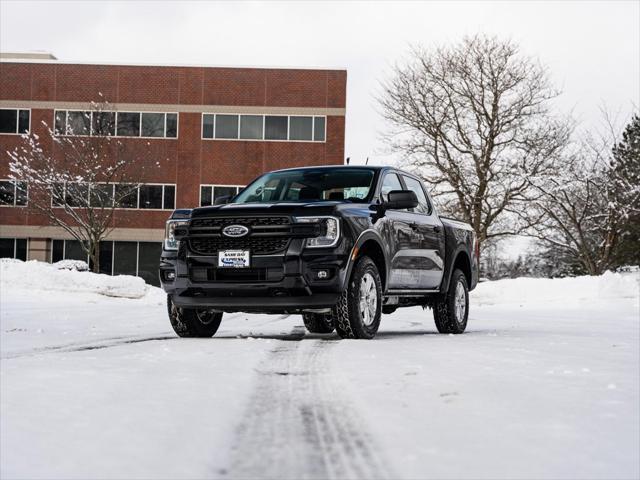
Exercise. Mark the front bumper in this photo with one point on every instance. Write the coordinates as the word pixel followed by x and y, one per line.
pixel 284 283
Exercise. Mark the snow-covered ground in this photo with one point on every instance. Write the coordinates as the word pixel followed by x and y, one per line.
pixel 544 384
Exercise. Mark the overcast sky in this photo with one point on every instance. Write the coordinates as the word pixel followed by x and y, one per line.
pixel 592 48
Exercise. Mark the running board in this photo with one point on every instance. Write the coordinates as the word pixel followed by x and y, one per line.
pixel 410 293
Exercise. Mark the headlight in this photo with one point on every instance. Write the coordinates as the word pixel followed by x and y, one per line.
pixel 170 242
pixel 329 231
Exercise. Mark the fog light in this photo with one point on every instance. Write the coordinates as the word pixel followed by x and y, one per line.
pixel 322 274
pixel 170 275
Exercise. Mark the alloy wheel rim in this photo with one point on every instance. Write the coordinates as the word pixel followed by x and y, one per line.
pixel 205 316
pixel 460 302
pixel 368 299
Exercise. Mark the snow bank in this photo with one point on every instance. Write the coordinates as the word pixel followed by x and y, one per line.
pixel 609 286
pixel 34 275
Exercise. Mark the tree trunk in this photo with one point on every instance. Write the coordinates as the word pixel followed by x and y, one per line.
pixel 94 255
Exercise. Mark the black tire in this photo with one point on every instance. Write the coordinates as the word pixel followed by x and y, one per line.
pixel 350 321
pixel 193 322
pixel 318 322
pixel 445 311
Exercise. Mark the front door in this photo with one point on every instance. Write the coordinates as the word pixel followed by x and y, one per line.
pixel 428 260
pixel 403 238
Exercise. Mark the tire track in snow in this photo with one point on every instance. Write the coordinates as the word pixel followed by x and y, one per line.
pixel 297 424
pixel 98 344
pixel 84 346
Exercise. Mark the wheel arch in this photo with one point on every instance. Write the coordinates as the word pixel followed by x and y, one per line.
pixel 370 244
pixel 461 262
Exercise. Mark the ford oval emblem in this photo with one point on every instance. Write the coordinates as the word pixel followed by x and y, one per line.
pixel 235 231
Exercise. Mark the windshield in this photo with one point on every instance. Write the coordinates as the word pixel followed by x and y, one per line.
pixel 308 185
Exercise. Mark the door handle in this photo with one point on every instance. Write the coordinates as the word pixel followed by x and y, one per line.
pixel 436 229
pixel 414 226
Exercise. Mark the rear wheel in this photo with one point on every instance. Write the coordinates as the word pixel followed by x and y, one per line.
pixel 318 322
pixel 357 313
pixel 452 312
pixel 193 322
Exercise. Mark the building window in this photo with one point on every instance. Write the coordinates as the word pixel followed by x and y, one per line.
pixel 263 127
pixel 210 193
pixel 79 123
pixel 148 196
pixel 207 125
pixel 226 126
pixel 153 124
pixel 128 124
pixel 103 123
pixel 251 127
pixel 13 248
pixel 14 121
pixel 275 128
pixel 12 193
pixel 122 124
pixel 301 128
pixel 319 129
pixel 148 263
pixel 126 196
pixel 169 197
pixel 76 195
pixel 101 195
pixel 171 125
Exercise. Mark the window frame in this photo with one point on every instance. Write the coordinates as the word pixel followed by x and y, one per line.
pixel 115 134
pixel 17 110
pixel 264 116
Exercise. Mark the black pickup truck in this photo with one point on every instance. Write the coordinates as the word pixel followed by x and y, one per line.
pixel 340 245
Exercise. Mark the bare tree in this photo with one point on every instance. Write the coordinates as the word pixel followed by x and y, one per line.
pixel 474 120
pixel 584 211
pixel 81 177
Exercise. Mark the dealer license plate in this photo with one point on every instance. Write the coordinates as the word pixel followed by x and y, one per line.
pixel 233 258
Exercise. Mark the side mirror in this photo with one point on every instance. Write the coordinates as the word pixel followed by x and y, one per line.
pixel 400 199
pixel 222 200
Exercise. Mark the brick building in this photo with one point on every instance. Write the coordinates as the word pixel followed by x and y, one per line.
pixel 212 130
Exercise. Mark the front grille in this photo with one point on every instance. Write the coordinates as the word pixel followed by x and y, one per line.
pixel 267 234
pixel 256 245
pixel 220 222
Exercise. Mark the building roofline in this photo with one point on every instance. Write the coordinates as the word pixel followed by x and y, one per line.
pixel 53 61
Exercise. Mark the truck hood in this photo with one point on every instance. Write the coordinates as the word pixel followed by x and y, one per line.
pixel 276 208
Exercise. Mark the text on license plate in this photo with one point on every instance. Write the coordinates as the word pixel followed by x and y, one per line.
pixel 233 258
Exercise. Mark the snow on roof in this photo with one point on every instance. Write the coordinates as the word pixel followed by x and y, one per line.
pixel 45 57
pixel 30 56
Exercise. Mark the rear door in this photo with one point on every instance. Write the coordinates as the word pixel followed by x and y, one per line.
pixel 427 260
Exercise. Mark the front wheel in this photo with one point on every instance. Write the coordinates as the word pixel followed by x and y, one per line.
pixel 451 313
pixel 193 322
pixel 357 313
